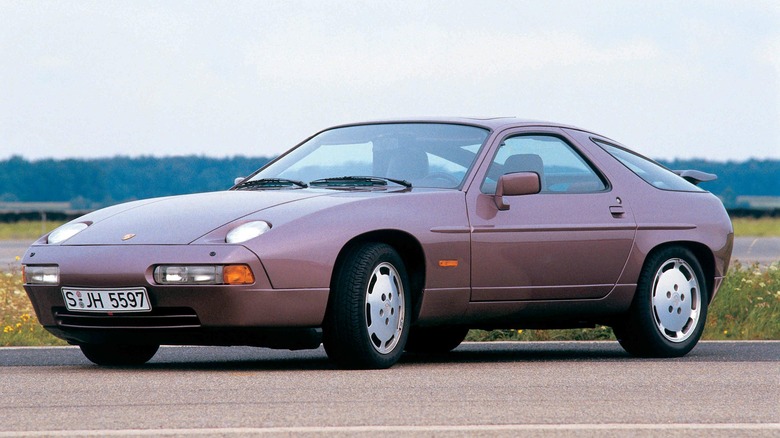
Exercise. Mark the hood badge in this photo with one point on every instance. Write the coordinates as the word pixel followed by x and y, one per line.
pixel 128 236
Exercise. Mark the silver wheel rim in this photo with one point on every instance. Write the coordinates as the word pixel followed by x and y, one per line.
pixel 676 300
pixel 384 308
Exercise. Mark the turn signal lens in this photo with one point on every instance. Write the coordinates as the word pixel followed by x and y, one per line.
pixel 237 274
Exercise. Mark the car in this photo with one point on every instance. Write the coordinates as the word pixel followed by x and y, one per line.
pixel 377 238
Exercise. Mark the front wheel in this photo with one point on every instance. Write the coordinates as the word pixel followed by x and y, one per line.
pixel 367 322
pixel 667 316
pixel 118 355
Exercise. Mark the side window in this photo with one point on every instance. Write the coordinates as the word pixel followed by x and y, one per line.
pixel 561 169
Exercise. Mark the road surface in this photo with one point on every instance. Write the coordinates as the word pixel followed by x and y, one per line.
pixel 721 389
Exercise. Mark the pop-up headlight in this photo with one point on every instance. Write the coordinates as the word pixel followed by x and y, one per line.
pixel 247 231
pixel 65 232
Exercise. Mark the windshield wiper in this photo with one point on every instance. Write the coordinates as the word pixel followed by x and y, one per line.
pixel 271 183
pixel 356 181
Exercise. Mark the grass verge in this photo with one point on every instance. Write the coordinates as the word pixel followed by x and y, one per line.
pixel 18 322
pixel 743 227
pixel 747 308
pixel 26 230
pixel 761 227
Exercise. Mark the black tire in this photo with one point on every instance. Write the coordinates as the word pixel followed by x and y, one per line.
pixel 367 321
pixel 669 310
pixel 119 355
pixel 435 340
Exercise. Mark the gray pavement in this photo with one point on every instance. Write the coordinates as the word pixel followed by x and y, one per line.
pixel 761 250
pixel 721 389
pixel 9 250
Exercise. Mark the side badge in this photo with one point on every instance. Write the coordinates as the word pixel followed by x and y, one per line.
pixel 128 236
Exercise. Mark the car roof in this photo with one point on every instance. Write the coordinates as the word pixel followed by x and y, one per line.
pixel 492 123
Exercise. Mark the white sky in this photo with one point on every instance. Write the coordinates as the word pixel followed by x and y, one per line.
pixel 671 79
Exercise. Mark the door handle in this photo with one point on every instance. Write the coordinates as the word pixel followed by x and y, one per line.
pixel 617 211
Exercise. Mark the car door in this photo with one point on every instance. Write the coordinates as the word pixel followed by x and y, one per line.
pixel 569 241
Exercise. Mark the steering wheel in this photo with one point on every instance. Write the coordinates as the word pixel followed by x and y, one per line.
pixel 448 180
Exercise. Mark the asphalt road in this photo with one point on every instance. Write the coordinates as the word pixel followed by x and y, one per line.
pixel 491 389
pixel 9 251
pixel 763 250
pixel 748 250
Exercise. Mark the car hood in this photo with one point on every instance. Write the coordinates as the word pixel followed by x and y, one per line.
pixel 177 220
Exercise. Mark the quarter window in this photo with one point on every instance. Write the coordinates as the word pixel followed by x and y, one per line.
pixel 561 169
pixel 650 171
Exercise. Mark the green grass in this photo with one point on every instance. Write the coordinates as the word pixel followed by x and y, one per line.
pixel 26 230
pixel 747 305
pixel 18 323
pixel 762 227
pixel 743 227
pixel 747 308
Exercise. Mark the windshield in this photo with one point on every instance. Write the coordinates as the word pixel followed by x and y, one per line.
pixel 422 154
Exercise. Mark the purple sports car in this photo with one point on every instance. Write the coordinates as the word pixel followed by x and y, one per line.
pixel 379 238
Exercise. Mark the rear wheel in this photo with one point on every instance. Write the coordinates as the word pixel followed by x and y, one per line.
pixel 366 325
pixel 435 340
pixel 667 316
pixel 119 355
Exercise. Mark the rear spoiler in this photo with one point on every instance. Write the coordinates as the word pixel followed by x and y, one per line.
pixel 696 176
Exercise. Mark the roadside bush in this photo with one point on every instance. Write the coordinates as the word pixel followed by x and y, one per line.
pixel 747 305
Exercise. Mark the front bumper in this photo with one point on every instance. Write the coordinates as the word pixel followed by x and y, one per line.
pixel 202 314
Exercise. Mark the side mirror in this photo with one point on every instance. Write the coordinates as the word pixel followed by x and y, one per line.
pixel 238 180
pixel 516 184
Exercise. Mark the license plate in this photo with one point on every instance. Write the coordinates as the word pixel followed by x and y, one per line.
pixel 107 300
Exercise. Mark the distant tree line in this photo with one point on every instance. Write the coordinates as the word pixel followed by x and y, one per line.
pixel 92 183
pixel 745 178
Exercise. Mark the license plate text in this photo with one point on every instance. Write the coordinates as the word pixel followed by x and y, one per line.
pixel 107 300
